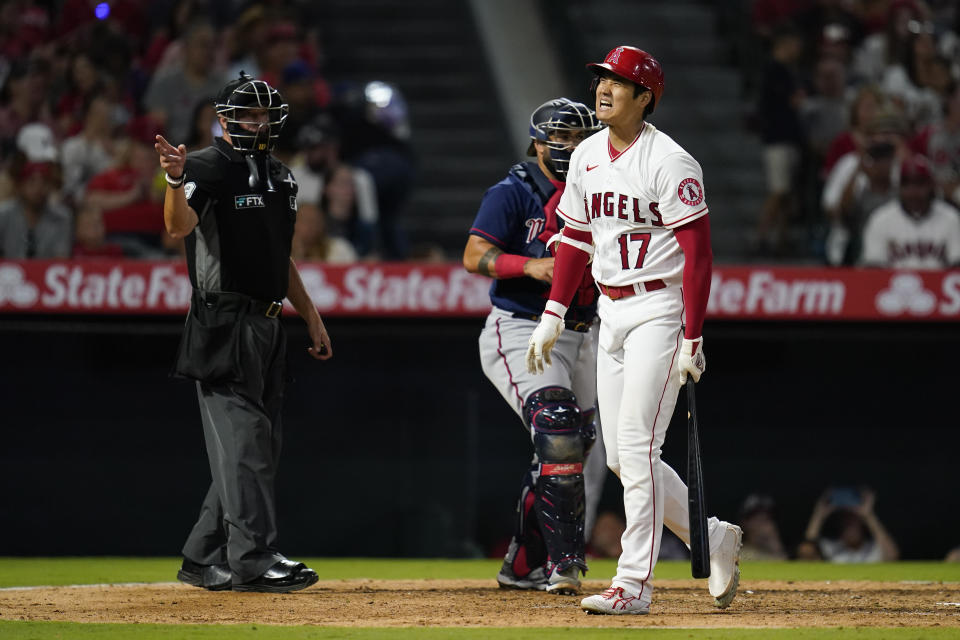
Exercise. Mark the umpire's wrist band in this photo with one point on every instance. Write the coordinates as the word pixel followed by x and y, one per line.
pixel 176 183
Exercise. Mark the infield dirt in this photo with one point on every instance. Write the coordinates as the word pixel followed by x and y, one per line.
pixel 384 603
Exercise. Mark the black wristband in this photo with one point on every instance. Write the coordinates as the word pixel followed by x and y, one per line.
pixel 176 183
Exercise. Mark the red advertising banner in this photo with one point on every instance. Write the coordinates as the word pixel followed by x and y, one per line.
pixel 446 290
pixel 146 287
pixel 804 293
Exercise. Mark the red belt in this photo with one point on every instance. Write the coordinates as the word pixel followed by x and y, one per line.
pixel 615 293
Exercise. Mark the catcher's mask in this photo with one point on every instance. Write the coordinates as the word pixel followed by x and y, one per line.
pixel 235 102
pixel 561 119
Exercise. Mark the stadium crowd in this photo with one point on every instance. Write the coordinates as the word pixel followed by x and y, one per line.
pixel 858 109
pixel 857 104
pixel 85 87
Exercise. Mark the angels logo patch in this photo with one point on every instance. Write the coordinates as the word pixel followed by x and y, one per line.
pixel 690 192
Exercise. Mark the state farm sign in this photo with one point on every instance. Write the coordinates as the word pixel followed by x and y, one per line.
pixel 842 294
pixel 125 286
pixel 764 293
pixel 396 289
pixel 446 290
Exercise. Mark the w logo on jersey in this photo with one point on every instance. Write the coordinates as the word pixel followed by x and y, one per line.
pixel 534 227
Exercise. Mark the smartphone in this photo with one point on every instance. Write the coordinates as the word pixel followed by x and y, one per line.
pixel 845 497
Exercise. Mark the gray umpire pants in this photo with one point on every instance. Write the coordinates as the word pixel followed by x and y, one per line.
pixel 242 430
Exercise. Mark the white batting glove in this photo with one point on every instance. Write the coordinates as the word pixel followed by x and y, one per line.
pixel 692 360
pixel 542 340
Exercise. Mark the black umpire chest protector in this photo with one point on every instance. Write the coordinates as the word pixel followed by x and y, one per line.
pixel 242 242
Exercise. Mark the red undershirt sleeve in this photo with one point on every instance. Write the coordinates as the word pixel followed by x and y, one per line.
pixel 694 239
pixel 568 268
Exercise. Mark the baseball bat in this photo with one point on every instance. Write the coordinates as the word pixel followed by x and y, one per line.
pixel 699 542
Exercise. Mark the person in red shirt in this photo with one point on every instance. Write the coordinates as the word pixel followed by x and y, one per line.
pixel 131 203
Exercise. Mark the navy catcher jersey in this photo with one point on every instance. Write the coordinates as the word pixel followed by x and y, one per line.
pixel 513 219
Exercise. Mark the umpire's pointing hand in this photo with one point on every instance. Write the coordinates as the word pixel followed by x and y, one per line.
pixel 542 340
pixel 172 158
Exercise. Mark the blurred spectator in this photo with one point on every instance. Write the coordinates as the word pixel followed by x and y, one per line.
pixel 175 92
pixel 244 39
pixel 761 535
pixel 835 45
pixel 820 18
pixel 32 223
pixel 169 20
pixel 125 16
pixel 112 41
pixel 844 529
pixel 352 210
pixel 781 131
pixel 920 79
pixel 311 241
pixel 168 44
pixel 281 48
pixel 24 26
pixel 306 94
pixel 940 142
pixel 825 112
pixel 84 84
pixel 90 236
pixel 37 143
pixel 866 103
pixel 130 199
pixel 605 539
pixel 89 152
pixel 376 138
pixel 204 126
pixel 768 15
pixel 916 231
pixel 880 50
pixel 861 181
pixel 953 555
pixel 24 100
pixel 341 203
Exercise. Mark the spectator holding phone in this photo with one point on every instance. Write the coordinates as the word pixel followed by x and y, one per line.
pixel 844 529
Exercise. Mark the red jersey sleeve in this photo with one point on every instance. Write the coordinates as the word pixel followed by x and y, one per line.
pixel 694 239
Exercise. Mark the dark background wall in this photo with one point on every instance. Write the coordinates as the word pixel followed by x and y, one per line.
pixel 398 446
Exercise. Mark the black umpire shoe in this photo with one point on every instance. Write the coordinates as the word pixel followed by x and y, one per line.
pixel 282 577
pixel 214 577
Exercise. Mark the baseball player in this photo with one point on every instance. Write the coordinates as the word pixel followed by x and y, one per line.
pixel 509 241
pixel 634 202
pixel 915 231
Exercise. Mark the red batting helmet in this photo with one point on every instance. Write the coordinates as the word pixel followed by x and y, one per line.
pixel 637 66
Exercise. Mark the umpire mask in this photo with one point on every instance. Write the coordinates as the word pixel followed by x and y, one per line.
pixel 243 103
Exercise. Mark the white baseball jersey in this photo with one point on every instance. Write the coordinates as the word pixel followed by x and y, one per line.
pixel 892 238
pixel 631 201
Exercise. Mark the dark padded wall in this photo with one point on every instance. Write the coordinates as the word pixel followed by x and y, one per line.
pixel 400 447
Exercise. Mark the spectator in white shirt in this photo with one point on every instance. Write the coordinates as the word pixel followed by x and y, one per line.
pixel 915 231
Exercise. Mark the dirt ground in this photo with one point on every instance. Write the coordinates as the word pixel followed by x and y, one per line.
pixel 385 603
